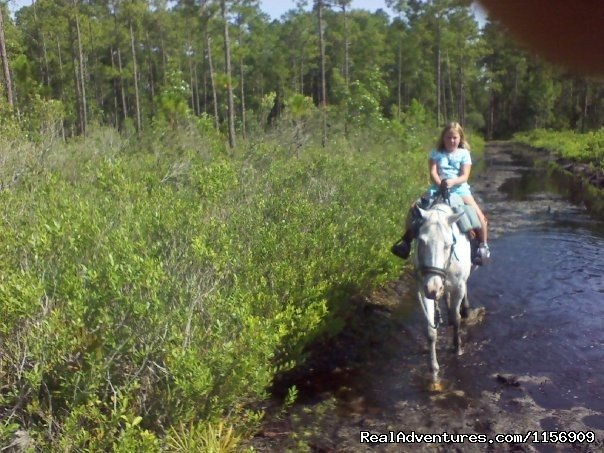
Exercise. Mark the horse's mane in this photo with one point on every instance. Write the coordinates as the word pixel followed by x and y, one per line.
pixel 435 216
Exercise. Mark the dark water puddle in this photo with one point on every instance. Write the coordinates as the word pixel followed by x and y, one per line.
pixel 544 288
pixel 536 359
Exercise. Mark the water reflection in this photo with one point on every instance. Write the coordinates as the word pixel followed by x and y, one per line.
pixel 543 295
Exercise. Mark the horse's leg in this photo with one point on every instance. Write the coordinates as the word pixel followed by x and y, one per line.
pixel 457 296
pixel 465 306
pixel 430 305
pixel 448 303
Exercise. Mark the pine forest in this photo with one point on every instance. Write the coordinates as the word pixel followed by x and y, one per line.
pixel 192 193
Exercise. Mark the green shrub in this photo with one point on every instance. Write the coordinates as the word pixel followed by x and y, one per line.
pixel 153 287
pixel 586 148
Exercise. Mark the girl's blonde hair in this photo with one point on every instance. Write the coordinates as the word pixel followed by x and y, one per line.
pixel 455 127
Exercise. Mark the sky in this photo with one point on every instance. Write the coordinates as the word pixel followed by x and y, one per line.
pixel 276 8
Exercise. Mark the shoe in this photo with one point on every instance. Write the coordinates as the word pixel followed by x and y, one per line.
pixel 402 249
pixel 483 254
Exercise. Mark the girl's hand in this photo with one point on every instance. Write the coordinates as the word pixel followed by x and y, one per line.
pixel 447 183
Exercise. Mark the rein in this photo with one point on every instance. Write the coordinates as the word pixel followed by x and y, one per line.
pixel 425 310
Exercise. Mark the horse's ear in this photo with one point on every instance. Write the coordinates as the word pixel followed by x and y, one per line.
pixel 455 217
pixel 422 212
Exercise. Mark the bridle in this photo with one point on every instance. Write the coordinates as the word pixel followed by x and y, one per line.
pixel 425 270
pixel 445 195
pixel 440 272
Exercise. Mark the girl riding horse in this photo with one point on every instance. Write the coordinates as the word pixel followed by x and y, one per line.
pixel 450 165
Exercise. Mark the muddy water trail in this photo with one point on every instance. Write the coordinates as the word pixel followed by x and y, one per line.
pixel 534 355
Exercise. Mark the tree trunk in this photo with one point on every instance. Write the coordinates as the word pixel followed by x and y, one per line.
pixel 191 80
pixel 399 78
pixel 150 66
pixel 438 80
pixel 323 102
pixel 80 59
pixel 197 107
pixel 227 61
pixel 346 48
pixel 243 117
pixel 44 51
pixel 135 77
pixel 122 87
pixel 5 66
pixel 241 80
pixel 76 80
pixel 443 92
pixel 451 92
pixel 62 75
pixel 462 96
pixel 438 72
pixel 205 92
pixel 78 92
pixel 164 59
pixel 205 84
pixel 346 62
pixel 212 82
pixel 97 88
pixel 115 92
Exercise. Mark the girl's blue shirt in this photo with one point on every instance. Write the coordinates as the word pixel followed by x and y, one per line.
pixel 449 166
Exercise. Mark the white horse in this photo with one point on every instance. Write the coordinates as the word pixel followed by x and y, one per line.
pixel 443 264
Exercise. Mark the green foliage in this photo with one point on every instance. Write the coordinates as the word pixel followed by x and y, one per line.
pixel 475 121
pixel 372 63
pixel 266 104
pixel 363 104
pixel 172 107
pixel 586 148
pixel 10 127
pixel 541 94
pixel 210 438
pixel 44 120
pixel 414 115
pixel 151 291
pixel 299 106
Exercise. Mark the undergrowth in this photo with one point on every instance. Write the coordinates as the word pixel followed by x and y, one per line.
pixel 151 289
pixel 585 148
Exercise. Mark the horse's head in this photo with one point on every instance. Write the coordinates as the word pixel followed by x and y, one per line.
pixel 434 248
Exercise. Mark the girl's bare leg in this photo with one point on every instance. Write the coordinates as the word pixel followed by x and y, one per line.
pixel 483 233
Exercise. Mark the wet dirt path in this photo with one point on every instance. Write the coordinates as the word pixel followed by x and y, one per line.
pixel 534 351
